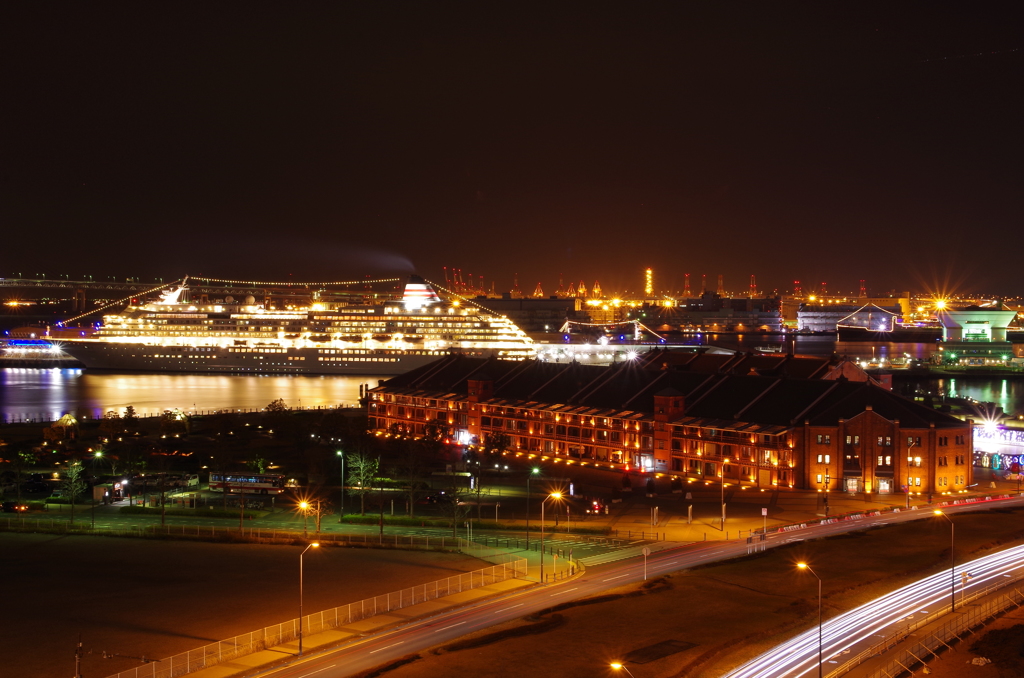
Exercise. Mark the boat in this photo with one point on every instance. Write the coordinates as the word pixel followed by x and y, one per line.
pixel 34 353
pixel 899 334
pixel 172 334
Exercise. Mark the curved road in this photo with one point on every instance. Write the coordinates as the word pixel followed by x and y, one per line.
pixel 381 648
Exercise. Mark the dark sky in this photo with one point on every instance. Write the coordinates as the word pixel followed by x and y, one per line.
pixel 819 141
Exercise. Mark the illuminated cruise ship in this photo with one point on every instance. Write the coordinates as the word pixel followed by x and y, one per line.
pixel 389 338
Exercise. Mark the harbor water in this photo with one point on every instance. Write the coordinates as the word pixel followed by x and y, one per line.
pixel 46 394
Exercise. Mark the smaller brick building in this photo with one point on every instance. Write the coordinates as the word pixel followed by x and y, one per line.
pixel 757 426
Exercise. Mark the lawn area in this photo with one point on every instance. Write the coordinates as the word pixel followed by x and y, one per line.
pixel 729 612
pixel 155 598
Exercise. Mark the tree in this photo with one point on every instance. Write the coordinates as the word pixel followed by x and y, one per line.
pixel 73 484
pixel 258 463
pixel 318 508
pixel 112 425
pixel 453 507
pixel 362 471
pixel 174 422
pixel 412 474
pixel 130 420
pixel 20 460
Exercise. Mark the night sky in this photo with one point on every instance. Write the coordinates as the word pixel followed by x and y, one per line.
pixel 828 141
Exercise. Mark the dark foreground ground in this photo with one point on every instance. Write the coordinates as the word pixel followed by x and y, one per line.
pixel 157 598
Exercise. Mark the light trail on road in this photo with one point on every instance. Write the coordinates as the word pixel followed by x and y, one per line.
pixel 362 654
pixel 844 634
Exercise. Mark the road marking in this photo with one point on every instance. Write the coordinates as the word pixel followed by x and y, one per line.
pixel 449 627
pixel 671 562
pixel 619 577
pixel 509 608
pixel 318 670
pixel 385 648
pixel 561 592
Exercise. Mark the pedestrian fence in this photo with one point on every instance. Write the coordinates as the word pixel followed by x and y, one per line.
pixel 968 619
pixel 874 514
pixel 258 535
pixel 286 632
pixel 50 417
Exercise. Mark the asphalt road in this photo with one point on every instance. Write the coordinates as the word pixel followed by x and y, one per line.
pixel 385 647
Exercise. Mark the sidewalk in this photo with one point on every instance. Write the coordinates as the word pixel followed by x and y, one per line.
pixel 313 643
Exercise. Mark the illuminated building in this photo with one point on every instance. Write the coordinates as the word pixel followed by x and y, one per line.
pixel 976 336
pixel 759 429
pixel 321 338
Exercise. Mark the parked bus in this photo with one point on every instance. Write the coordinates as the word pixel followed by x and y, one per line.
pixel 247 483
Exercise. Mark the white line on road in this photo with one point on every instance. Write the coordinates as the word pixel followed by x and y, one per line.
pixel 562 592
pixel 385 648
pixel 509 608
pixel 449 627
pixel 318 670
pixel 619 577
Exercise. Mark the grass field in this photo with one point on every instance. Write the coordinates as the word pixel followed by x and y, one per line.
pixel 157 597
pixel 729 612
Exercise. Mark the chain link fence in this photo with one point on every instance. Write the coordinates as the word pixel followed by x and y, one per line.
pixel 941 638
pixel 261 639
pixel 949 632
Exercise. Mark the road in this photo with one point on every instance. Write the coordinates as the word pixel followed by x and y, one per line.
pixel 849 634
pixel 417 635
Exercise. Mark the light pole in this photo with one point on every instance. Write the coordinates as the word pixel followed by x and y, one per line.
pixel 910 460
pixel 309 546
pixel 96 455
pixel 724 462
pixel 621 667
pixel 805 566
pixel 952 560
pixel 304 507
pixel 553 495
pixel 341 511
pixel 534 471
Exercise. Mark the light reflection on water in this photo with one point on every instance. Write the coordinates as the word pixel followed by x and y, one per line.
pixel 1007 393
pixel 47 394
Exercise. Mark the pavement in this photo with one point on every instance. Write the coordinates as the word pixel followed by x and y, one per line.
pixel 311 643
pixel 872 666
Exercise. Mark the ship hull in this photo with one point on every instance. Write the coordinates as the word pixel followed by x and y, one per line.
pixel 96 355
pixel 908 335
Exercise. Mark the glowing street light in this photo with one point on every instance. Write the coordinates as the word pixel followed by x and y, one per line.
pixel 556 496
pixel 952 560
pixel 621 667
pixel 724 462
pixel 304 507
pixel 310 546
pixel 805 566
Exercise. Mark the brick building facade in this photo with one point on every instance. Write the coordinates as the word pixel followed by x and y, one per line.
pixel 755 426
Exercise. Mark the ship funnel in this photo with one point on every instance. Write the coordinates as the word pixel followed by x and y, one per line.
pixel 418 293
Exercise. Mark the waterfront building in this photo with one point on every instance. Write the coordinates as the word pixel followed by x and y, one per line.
pixel 758 427
pixel 976 336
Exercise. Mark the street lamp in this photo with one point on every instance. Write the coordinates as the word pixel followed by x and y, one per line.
pixel 805 566
pixel 309 546
pixel 952 560
pixel 910 460
pixel 341 511
pixel 621 667
pixel 304 507
pixel 556 496
pixel 534 471
pixel 724 462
